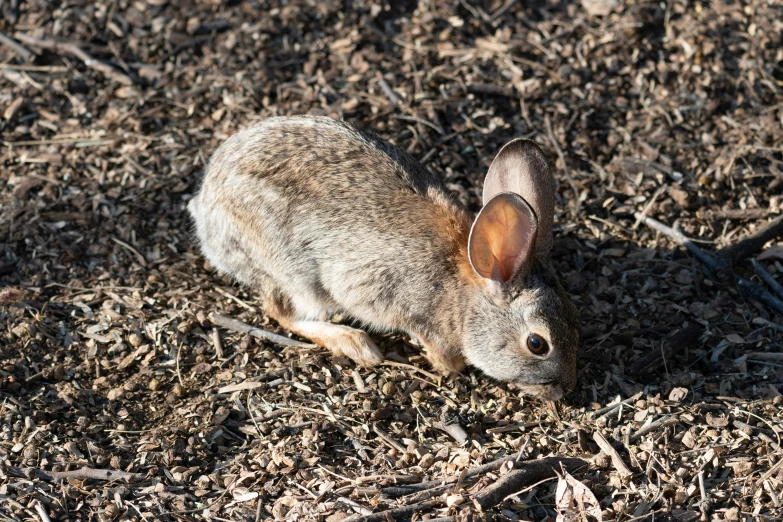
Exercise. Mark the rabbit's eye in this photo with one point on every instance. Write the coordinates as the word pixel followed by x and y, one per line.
pixel 537 344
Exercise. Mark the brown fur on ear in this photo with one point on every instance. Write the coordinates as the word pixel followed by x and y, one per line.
pixel 503 237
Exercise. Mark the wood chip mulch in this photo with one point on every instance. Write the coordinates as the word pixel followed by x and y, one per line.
pixel 120 399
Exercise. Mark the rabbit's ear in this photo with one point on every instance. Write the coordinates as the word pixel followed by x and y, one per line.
pixel 521 168
pixel 502 238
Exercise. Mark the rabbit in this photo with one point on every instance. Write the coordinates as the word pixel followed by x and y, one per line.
pixel 323 218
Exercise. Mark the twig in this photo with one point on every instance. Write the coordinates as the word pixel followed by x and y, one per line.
pixel 764 322
pixel 217 343
pixel 767 278
pixel 721 266
pixel 388 440
pixel 500 12
pixel 73 50
pixel 23 52
pixel 754 242
pixel 660 190
pixel 410 367
pixel 235 299
pixel 142 261
pixel 734 213
pixel 179 375
pixel 388 91
pixel 617 460
pixel 239 326
pixel 641 432
pixel 757 292
pixel 42 512
pixel 704 504
pixel 679 238
pixel 654 358
pixel 518 479
pixel 612 407
pixel 78 474
pixel 400 491
pixel 399 513
pixel 560 154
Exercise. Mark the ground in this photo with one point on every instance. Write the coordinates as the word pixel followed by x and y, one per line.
pixel 108 358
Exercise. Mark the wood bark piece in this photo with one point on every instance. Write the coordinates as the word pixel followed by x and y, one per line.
pixel 401 491
pixel 239 326
pixel 617 460
pixel 400 513
pixel 654 358
pixel 531 473
pixel 78 474
pixel 23 52
pixel 77 52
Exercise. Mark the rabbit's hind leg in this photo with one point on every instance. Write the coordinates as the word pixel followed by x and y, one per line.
pixel 340 340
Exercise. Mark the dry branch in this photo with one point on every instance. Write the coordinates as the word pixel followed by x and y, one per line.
pixel 239 326
pixel 654 358
pixel 23 52
pixel 518 479
pixel 77 52
pixel 78 474
pixel 754 242
pixel 399 491
pixel 721 266
pixel 612 407
pixel 400 513
pixel 641 432
pixel 767 278
pixel 528 474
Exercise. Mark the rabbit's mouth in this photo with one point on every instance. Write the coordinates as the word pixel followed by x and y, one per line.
pixel 546 390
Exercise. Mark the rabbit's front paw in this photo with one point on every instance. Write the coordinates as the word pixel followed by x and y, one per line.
pixel 340 340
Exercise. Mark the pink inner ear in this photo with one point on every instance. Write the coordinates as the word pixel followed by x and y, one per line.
pixel 502 238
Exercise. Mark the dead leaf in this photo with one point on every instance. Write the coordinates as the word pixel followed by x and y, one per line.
pixel 717 422
pixel 575 502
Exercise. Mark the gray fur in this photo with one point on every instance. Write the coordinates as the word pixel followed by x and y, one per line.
pixel 323 218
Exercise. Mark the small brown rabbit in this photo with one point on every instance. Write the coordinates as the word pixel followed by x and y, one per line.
pixel 323 218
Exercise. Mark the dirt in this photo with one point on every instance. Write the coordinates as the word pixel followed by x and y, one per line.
pixel 108 359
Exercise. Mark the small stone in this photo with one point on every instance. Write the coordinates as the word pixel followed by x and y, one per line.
pixel 23 330
pixel 179 391
pixel 135 340
pixel 115 394
pixel 389 388
pixel 154 385
pixel 427 461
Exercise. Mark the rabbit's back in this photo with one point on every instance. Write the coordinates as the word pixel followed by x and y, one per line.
pixel 338 218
